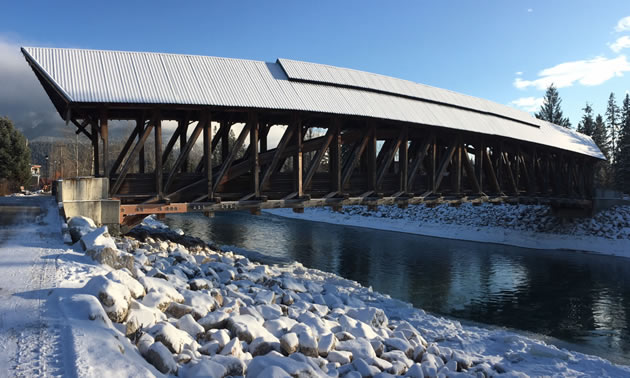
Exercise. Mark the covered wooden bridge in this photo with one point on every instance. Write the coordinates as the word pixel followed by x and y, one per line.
pixel 377 140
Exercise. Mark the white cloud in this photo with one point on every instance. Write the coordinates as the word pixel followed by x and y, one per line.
pixel 623 24
pixel 620 44
pixel 530 10
pixel 518 73
pixel 586 72
pixel 530 104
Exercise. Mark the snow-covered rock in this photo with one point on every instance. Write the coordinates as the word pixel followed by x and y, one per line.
pixel 79 226
pixel 215 319
pixel 85 306
pixel 160 357
pixel 135 288
pixel 205 368
pixel 141 316
pixel 174 339
pixel 187 323
pixel 114 296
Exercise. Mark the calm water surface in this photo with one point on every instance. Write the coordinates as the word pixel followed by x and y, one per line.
pixel 582 300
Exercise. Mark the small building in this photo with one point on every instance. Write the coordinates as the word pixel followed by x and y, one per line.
pixel 34 182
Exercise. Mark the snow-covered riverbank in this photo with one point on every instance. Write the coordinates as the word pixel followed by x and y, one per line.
pixel 528 226
pixel 158 306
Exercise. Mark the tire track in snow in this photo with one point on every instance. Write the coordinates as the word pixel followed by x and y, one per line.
pixel 40 344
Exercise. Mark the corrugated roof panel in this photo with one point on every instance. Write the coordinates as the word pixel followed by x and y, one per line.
pixel 128 77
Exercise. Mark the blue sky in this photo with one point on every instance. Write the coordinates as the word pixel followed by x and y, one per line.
pixel 505 51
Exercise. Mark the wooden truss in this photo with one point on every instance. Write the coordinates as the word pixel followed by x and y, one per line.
pixel 349 161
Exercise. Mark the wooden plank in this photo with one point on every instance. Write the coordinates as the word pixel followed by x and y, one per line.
pixel 334 160
pixel 479 153
pixel 158 156
pixel 508 166
pixel 182 139
pixel 96 157
pixel 264 134
pixel 403 159
pixel 297 160
pixel 135 152
pixel 470 171
pixel 388 158
pixel 171 143
pixel 444 164
pixel 490 173
pixel 254 158
pixel 230 157
pixel 141 160
pixel 371 158
pixel 456 180
pixel 353 159
pixel 278 154
pixel 207 152
pixel 125 149
pixel 225 140
pixel 81 127
pixel 432 166
pixel 420 154
pixel 183 155
pixel 105 137
pixel 317 159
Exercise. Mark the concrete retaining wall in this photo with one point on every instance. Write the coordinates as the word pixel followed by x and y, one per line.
pixel 88 197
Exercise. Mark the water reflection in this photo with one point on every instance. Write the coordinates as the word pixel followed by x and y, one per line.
pixel 579 298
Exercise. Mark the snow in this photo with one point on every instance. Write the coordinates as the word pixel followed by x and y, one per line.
pixel 528 226
pixel 56 306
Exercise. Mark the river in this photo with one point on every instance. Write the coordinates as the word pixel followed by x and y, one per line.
pixel 575 300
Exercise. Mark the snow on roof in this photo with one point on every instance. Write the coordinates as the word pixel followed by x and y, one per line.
pixel 96 76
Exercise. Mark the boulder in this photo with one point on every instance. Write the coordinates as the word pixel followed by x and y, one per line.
pixel 339 356
pixel 160 357
pixel 215 319
pixel 79 226
pixel 84 307
pixel 289 343
pixel 205 368
pixel 173 338
pixel 360 348
pixel 114 297
pixel 135 288
pixel 187 323
pixel 325 344
pixel 142 316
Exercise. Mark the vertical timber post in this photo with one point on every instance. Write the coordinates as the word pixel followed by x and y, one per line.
pixel 335 159
pixel 297 158
pixel 479 164
pixel 254 158
pixel 403 160
pixel 158 154
pixel 457 183
pixel 183 124
pixel 264 133
pixel 95 146
pixel 140 125
pixel 105 137
pixel 225 140
pixel 207 150
pixel 371 158
pixel 432 179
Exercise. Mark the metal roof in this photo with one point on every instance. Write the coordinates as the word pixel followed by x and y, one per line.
pixel 95 76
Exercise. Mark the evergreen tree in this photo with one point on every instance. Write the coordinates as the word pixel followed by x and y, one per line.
pixel 550 109
pixel 612 121
pixel 587 125
pixel 623 163
pixel 15 156
pixel 599 135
